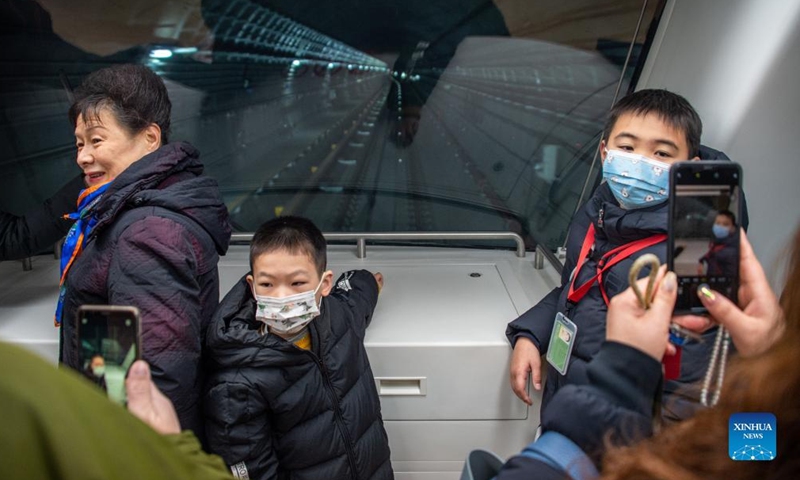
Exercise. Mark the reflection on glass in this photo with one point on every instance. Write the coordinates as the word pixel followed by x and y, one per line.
pixel 380 116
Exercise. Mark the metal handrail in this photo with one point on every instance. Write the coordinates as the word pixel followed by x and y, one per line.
pixel 541 252
pixel 362 237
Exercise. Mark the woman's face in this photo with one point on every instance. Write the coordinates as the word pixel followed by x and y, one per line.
pixel 106 149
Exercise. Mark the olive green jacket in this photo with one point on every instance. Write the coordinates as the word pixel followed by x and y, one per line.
pixel 56 425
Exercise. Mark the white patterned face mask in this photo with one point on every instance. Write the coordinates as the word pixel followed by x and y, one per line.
pixel 287 315
pixel 635 180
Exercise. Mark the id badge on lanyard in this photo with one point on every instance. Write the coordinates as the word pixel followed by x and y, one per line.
pixel 562 339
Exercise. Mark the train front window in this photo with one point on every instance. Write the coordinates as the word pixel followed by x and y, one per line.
pixel 414 115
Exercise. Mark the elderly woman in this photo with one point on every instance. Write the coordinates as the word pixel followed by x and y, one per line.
pixel 149 229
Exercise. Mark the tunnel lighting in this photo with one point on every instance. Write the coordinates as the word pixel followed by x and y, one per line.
pixel 296 63
pixel 185 50
pixel 161 53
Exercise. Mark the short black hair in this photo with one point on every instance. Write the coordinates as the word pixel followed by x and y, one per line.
pixel 729 214
pixel 670 107
pixel 293 234
pixel 135 95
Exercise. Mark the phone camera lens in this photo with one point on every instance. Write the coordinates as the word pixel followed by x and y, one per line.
pixel 127 322
pixel 716 174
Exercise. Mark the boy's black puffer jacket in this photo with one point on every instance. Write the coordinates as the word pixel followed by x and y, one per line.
pixel 275 411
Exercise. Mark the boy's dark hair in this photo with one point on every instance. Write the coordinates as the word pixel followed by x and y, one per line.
pixel 729 214
pixel 133 93
pixel 670 107
pixel 294 234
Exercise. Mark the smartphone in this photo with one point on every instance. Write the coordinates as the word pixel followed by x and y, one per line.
pixel 704 230
pixel 110 339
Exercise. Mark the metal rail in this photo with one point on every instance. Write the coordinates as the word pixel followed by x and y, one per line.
pixel 361 238
pixel 540 254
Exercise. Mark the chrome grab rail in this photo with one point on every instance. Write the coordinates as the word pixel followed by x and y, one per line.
pixel 540 254
pixel 361 238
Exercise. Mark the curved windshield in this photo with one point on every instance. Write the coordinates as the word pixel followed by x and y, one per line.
pixel 379 116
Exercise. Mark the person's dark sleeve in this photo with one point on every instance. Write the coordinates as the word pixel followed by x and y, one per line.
pixel 623 385
pixel 238 427
pixel 537 323
pixel 520 467
pixel 360 290
pixel 155 268
pixel 38 229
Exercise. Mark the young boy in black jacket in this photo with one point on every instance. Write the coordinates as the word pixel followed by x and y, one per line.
pixel 291 393
pixel 647 131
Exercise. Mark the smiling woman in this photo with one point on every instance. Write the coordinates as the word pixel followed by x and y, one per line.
pixel 122 115
pixel 148 230
pixel 106 149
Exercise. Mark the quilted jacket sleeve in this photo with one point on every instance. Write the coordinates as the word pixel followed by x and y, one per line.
pixel 360 291
pixel 29 234
pixel 155 268
pixel 238 427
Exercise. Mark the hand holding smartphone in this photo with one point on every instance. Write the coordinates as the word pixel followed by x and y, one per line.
pixel 704 230
pixel 110 339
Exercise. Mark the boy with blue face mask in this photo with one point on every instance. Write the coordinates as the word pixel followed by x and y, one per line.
pixel 290 391
pixel 721 256
pixel 646 133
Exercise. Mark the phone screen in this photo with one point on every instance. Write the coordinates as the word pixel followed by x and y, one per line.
pixel 109 344
pixel 705 214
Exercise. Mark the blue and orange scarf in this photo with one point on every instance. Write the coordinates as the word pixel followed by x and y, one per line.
pixel 78 233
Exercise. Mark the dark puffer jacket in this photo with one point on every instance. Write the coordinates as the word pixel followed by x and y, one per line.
pixel 614 226
pixel 274 410
pixel 721 258
pixel 161 226
pixel 615 404
pixel 29 234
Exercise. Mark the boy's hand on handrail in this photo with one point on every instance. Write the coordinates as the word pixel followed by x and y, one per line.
pixel 758 321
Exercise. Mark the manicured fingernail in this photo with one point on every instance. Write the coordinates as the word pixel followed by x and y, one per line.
pixel 705 291
pixel 670 283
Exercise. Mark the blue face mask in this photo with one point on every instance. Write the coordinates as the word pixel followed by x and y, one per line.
pixel 721 231
pixel 635 180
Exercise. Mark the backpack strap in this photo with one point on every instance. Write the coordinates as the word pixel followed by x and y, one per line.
pixel 559 451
